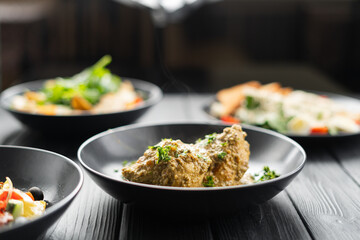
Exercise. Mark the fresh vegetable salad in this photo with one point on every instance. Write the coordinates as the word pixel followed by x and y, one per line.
pixel 16 204
pixel 94 90
pixel 284 110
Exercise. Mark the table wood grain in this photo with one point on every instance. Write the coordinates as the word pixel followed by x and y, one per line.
pixel 323 201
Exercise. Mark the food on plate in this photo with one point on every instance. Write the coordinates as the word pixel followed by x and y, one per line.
pixel 95 90
pixel 219 159
pixel 16 205
pixel 264 175
pixel 284 110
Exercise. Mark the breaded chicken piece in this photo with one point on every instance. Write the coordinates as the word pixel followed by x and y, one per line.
pixel 169 163
pixel 223 158
pixel 229 153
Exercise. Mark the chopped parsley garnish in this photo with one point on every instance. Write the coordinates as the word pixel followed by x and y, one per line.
pixel 164 139
pixel 209 182
pixel 116 170
pixel 202 157
pixel 224 144
pixel 163 154
pixel 126 163
pixel 251 103
pixel 210 138
pixel 184 153
pixel 266 174
pixel 221 155
pixel 153 147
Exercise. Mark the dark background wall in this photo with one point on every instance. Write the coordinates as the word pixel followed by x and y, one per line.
pixel 313 45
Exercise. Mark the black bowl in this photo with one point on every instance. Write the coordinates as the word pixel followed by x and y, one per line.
pixel 103 154
pixel 82 123
pixel 58 177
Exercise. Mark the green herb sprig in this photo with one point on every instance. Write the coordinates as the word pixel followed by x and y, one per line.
pixel 222 155
pixel 210 138
pixel 163 153
pixel 266 174
pixel 209 182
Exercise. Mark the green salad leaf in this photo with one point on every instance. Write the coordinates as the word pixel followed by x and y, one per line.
pixel 91 84
pixel 251 102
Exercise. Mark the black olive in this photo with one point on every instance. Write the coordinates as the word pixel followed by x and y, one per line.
pixel 37 193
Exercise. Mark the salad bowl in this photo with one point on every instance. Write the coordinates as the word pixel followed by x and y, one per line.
pixel 104 155
pixel 59 178
pixel 86 123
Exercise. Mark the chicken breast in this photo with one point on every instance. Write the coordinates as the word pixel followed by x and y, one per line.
pixel 229 153
pixel 217 160
pixel 169 163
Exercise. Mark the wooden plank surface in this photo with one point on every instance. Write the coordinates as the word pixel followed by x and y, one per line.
pixel 137 224
pixel 93 215
pixel 275 219
pixel 347 153
pixel 327 198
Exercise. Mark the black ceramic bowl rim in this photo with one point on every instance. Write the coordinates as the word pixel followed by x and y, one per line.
pixel 168 188
pixel 58 205
pixel 154 97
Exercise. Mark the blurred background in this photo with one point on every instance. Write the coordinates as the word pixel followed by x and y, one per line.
pixel 199 46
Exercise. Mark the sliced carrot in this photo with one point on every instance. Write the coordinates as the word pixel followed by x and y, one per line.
pixel 229 119
pixel 319 130
pixel 14 195
pixel 132 104
pixel 3 195
pixel 138 100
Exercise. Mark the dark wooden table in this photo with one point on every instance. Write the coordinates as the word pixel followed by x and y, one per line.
pixel 323 202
